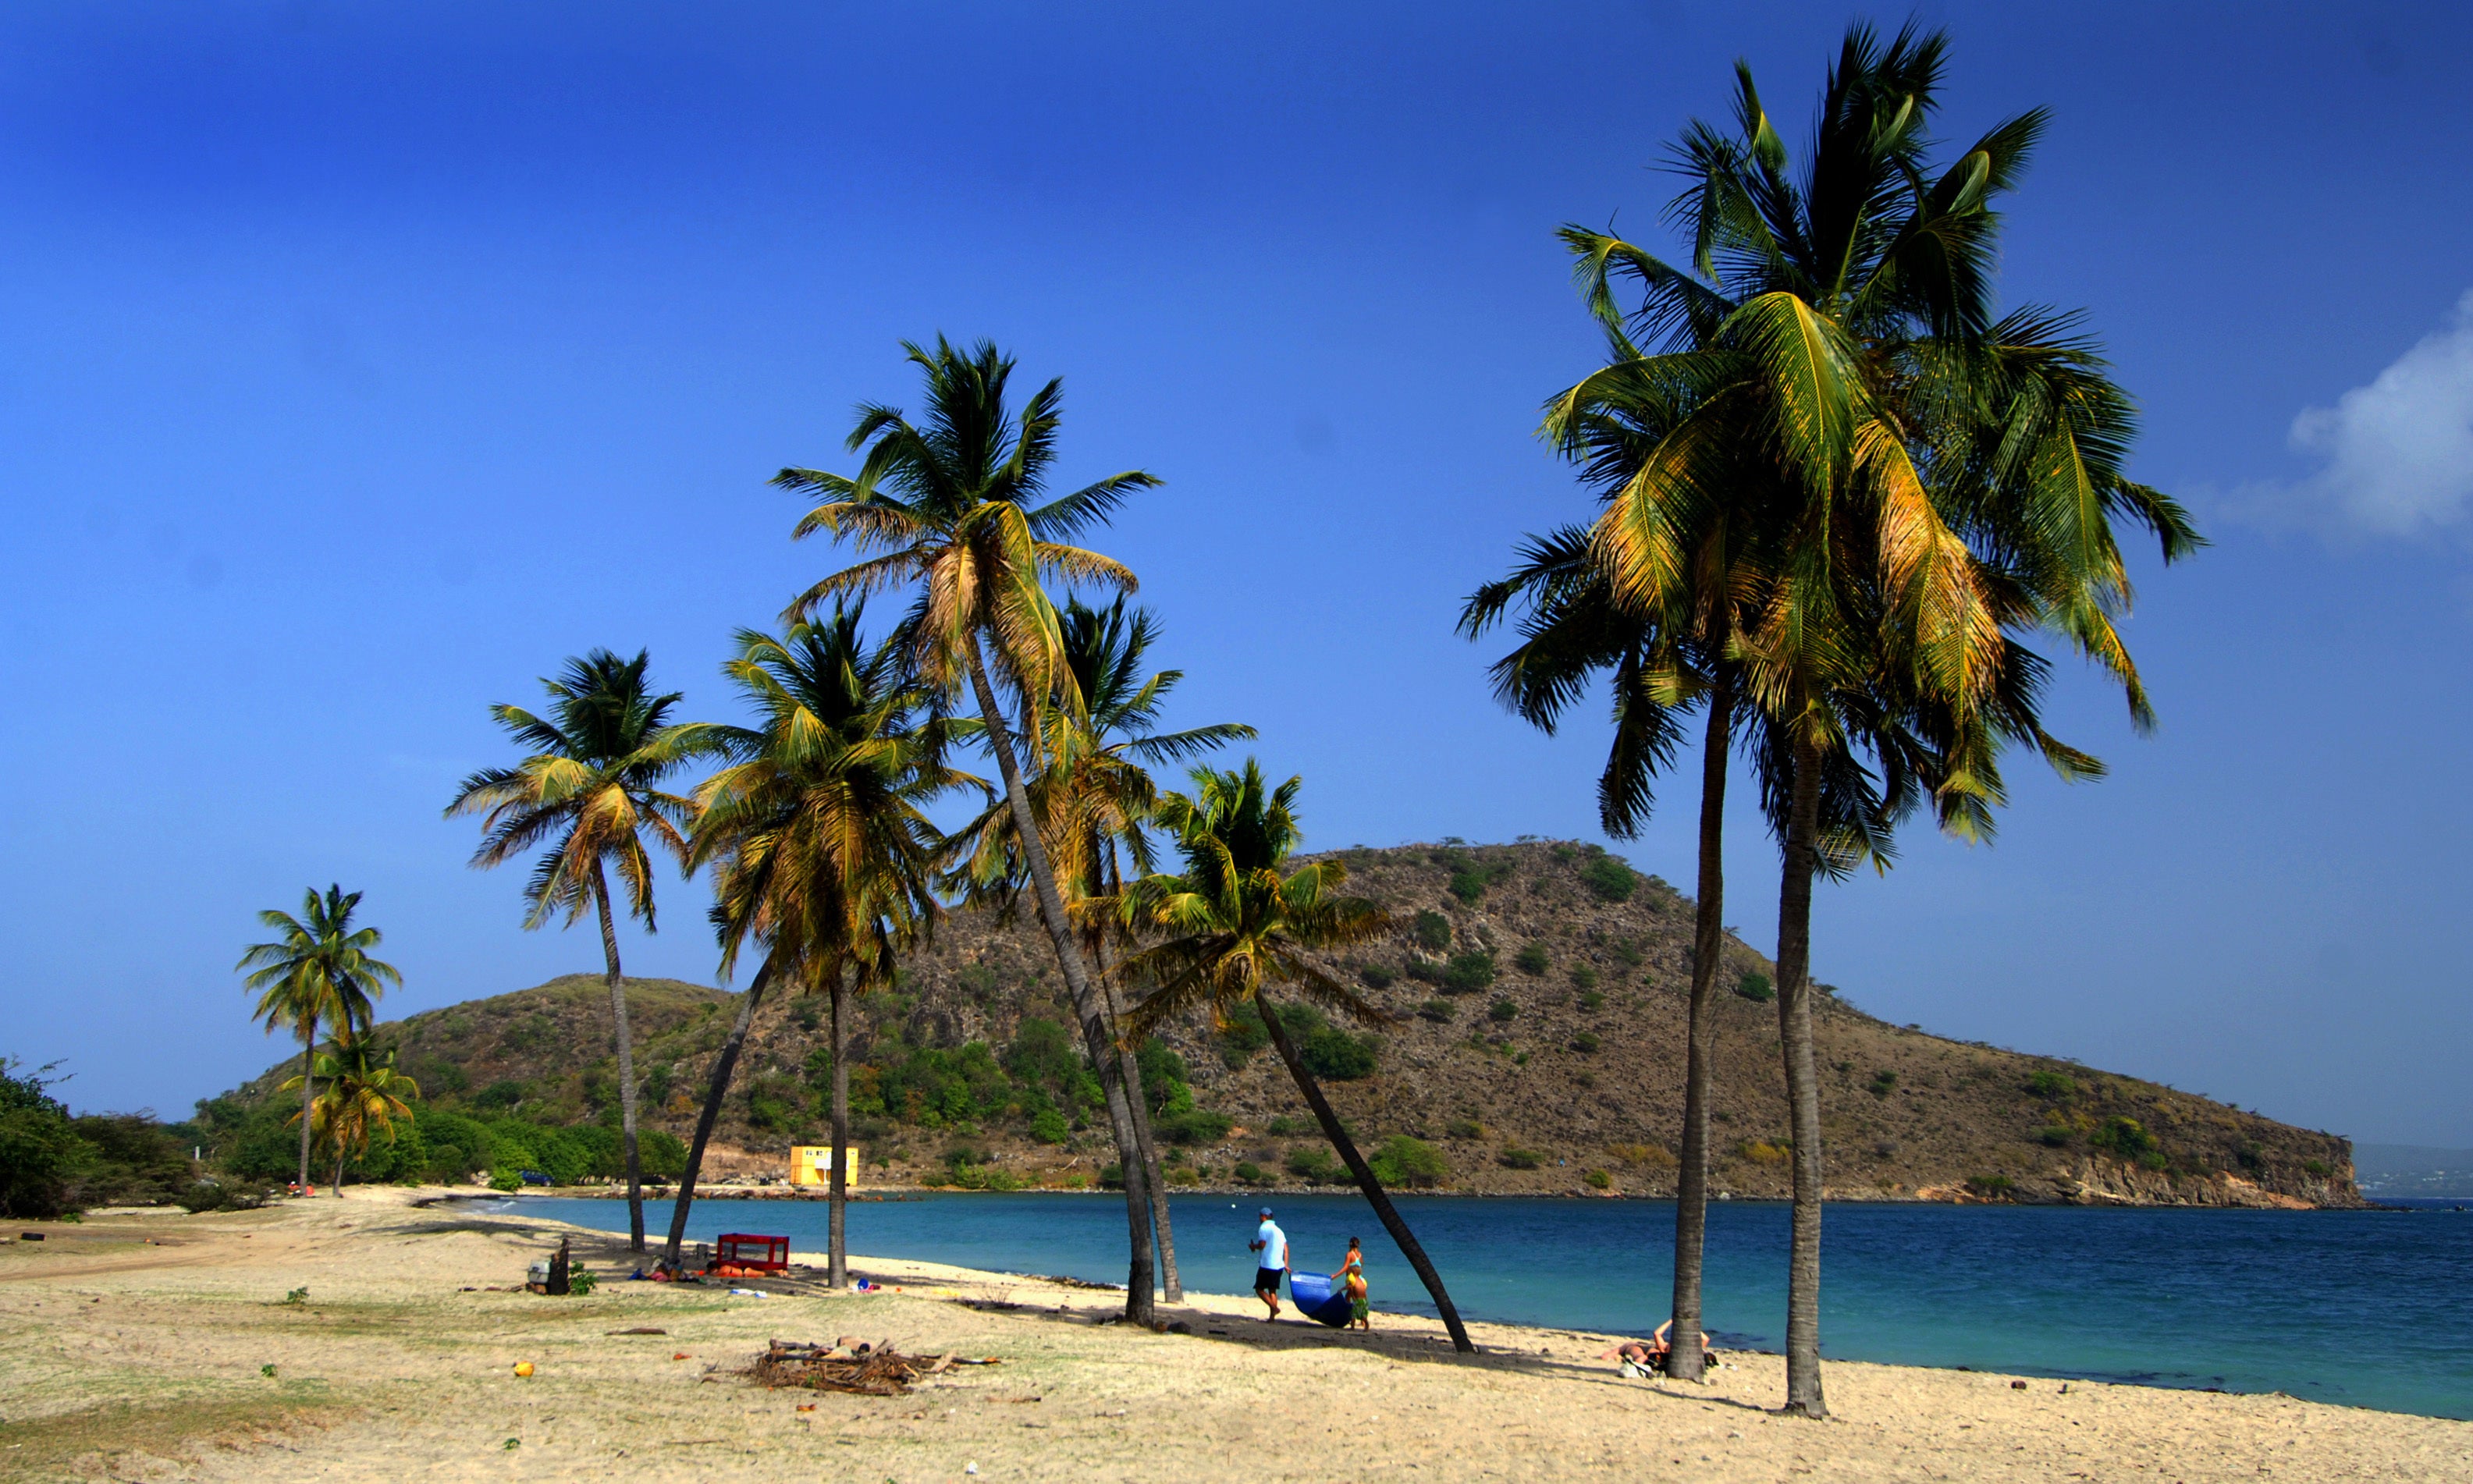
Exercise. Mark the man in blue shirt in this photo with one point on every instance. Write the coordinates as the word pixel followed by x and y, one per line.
pixel 1272 1246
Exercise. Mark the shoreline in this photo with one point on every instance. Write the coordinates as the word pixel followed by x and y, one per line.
pixel 901 1192
pixel 374 1335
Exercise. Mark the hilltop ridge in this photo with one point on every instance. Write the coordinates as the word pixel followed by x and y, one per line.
pixel 1541 993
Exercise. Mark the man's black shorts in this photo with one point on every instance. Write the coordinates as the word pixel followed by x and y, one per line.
pixel 1268 1280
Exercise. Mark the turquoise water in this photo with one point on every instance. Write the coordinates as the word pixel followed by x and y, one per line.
pixel 2365 1308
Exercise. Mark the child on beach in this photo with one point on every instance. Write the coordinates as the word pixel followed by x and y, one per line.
pixel 1351 1274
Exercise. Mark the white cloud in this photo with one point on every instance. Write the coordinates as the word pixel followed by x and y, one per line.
pixel 2399 451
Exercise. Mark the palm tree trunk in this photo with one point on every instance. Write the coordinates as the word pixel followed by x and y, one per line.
pixel 339 1172
pixel 1170 1286
pixel 1374 1194
pixel 1086 1005
pixel 308 1090
pixel 720 1089
pixel 626 1063
pixel 1686 1360
pixel 838 1179
pixel 1803 1397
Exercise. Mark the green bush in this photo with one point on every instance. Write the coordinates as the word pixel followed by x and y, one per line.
pixel 1242 1036
pixel 1609 879
pixel 1284 1126
pixel 2054 1135
pixel 1049 1127
pixel 1194 1126
pixel 1755 987
pixel 2124 1137
pixel 1408 1163
pixel 1464 1128
pixel 1377 976
pixel 1586 1041
pixel 40 1153
pixel 1592 1000
pixel 1585 979
pixel 1884 1083
pixel 506 1092
pixel 1532 959
pixel 2048 1084
pixel 2318 1167
pixel 1471 877
pixel 1248 1171
pixel 1312 1164
pixel 1992 1188
pixel 1503 1010
pixel 1599 1180
pixel 1513 1157
pixel 1335 1056
pixel 1439 1011
pixel 1432 931
pixel 1468 973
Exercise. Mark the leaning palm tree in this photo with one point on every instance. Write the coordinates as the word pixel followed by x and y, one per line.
pixel 821 847
pixel 318 972
pixel 1939 482
pixel 360 1096
pixel 956 507
pixel 1095 796
pixel 1233 926
pixel 591 790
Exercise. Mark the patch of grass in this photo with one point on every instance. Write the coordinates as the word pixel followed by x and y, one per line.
pixel 1532 959
pixel 1586 1042
pixel 1439 1011
pixel 1884 1083
pixel 1628 950
pixel 1763 1151
pixel 1515 1157
pixel 70 1444
pixel 1464 1128
pixel 1585 979
pixel 1592 1000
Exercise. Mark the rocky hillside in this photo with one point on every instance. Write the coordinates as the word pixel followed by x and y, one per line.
pixel 1540 991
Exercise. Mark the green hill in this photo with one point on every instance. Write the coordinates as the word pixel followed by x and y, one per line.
pixel 1541 990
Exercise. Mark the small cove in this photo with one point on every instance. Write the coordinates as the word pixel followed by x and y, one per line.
pixel 2360 1309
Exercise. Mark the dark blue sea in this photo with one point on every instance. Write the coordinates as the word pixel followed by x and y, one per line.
pixel 2363 1309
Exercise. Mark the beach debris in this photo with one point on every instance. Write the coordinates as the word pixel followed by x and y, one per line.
pixel 865 1369
pixel 523 1368
pixel 639 1330
pixel 2017 1386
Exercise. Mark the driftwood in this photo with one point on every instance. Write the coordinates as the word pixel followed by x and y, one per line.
pixel 861 1369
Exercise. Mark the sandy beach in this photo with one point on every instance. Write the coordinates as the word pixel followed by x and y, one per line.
pixel 139 1346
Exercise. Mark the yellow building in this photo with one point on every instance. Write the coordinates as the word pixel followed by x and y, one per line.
pixel 812 1164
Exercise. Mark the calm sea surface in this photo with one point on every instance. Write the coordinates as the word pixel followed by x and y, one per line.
pixel 2366 1308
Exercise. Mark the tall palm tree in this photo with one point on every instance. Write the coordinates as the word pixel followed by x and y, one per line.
pixel 1094 797
pixel 1941 481
pixel 590 789
pixel 361 1096
pixel 318 972
pixel 956 506
pixel 1235 926
pixel 822 847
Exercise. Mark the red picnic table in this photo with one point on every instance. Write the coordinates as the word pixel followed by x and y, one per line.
pixel 751 1251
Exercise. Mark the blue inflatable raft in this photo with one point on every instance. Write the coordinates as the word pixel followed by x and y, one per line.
pixel 1317 1300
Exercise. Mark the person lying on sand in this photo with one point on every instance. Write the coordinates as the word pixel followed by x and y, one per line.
pixel 1647 1357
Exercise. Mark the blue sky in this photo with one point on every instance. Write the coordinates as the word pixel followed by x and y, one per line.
pixel 360 366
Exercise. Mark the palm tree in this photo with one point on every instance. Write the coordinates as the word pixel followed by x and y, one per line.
pixel 822 848
pixel 1939 481
pixel 958 507
pixel 1094 797
pixel 589 789
pixel 362 1097
pixel 1236 926
pixel 318 972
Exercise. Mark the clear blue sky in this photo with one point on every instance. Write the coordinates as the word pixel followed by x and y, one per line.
pixel 361 365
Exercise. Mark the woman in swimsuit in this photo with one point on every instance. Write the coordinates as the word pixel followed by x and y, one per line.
pixel 1352 1275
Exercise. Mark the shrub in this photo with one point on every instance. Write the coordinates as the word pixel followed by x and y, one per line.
pixel 1629 951
pixel 40 1153
pixel 225 1195
pixel 505 1092
pixel 1468 973
pixel 1755 987
pixel 2052 1085
pixel 1192 1127
pixel 2124 1137
pixel 1585 979
pixel 1599 1180
pixel 1284 1126
pixel 1992 1188
pixel 2318 1167
pixel 1312 1164
pixel 1470 878
pixel 1112 1177
pixel 1532 959
pixel 2054 1135
pixel 506 1178
pixel 1409 1162
pixel 1643 1156
pixel 1515 1157
pixel 1501 1011
pixel 1884 1083
pixel 1432 931
pixel 1592 1000
pixel 1464 1128
pixel 1248 1171
pixel 1377 976
pixel 1335 1056
pixel 1586 1041
pixel 1048 1126
pixel 1609 879
pixel 1762 1152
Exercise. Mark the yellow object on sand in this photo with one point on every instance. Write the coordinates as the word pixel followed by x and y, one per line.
pixel 523 1368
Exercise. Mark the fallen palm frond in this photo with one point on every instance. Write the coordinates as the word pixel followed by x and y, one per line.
pixel 863 1370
